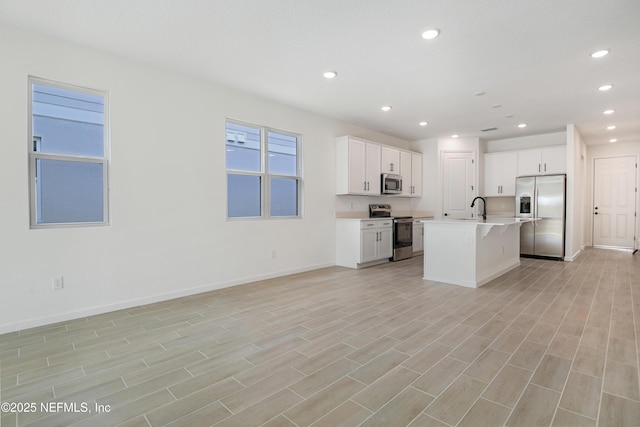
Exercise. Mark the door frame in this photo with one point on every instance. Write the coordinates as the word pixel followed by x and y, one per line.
pixel 474 172
pixel 593 201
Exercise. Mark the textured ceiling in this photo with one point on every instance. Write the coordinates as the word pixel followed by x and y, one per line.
pixel 530 58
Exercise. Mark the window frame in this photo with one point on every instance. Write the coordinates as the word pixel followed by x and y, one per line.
pixel 265 176
pixel 34 156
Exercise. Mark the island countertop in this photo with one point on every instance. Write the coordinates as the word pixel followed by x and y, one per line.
pixel 479 221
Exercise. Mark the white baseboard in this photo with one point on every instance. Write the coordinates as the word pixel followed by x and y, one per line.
pixel 101 309
pixel 574 256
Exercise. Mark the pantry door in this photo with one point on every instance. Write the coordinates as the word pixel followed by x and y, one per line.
pixel 458 184
pixel 614 202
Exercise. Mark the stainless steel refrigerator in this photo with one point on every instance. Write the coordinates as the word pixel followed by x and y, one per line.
pixel 542 198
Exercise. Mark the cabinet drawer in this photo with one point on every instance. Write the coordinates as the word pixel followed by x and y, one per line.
pixel 368 224
pixel 380 223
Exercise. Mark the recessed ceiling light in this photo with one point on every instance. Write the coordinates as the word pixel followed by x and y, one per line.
pixel 522 125
pixel 611 127
pixel 605 88
pixel 479 93
pixel 431 34
pixel 608 112
pixel 386 108
pixel 509 116
pixel 600 53
pixel 455 135
pixel 496 106
pixel 423 123
pixel 330 75
pixel 612 140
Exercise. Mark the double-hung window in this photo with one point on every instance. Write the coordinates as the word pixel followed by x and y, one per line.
pixel 68 146
pixel 263 172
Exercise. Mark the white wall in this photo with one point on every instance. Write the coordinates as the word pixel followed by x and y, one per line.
pixel 605 151
pixel 524 142
pixel 169 234
pixel 576 189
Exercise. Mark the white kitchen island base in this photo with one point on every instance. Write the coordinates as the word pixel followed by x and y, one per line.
pixel 470 252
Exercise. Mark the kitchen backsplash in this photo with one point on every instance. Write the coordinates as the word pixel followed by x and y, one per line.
pixel 361 203
pixel 501 206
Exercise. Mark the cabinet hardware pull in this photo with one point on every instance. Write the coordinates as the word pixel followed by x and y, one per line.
pixel 545 167
pixel 538 167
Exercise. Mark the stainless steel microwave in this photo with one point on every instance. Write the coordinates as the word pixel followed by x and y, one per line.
pixel 391 184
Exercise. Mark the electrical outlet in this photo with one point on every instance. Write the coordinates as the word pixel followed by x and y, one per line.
pixel 57 283
pixel 274 254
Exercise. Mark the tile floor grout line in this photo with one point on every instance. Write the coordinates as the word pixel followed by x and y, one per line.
pixel 517 401
pixel 524 292
pixel 606 354
pixel 576 350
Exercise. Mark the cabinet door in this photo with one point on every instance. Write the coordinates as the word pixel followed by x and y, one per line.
pixel 416 175
pixel 529 162
pixel 406 172
pixel 554 160
pixel 390 160
pixel 357 166
pixel 385 243
pixel 372 166
pixel 492 173
pixel 369 240
pixel 509 172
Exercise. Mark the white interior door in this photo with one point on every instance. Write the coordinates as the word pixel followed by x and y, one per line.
pixel 614 202
pixel 458 184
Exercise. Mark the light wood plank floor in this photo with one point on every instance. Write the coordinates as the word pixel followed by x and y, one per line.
pixel 549 343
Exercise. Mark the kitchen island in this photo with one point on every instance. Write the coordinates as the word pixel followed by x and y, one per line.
pixel 470 252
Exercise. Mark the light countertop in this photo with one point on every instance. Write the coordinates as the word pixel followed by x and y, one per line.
pixel 476 221
pixel 365 215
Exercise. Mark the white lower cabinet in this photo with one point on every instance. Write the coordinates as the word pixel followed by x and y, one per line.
pixel 359 242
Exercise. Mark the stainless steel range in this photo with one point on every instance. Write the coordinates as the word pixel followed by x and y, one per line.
pixel 402 231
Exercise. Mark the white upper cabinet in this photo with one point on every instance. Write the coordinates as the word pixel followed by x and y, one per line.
pixel 411 171
pixel 500 171
pixel 416 174
pixel 542 161
pixel 360 163
pixel 554 160
pixel 357 166
pixel 390 160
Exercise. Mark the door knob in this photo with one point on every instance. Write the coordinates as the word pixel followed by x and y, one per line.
pixel 446 214
pixel 596 213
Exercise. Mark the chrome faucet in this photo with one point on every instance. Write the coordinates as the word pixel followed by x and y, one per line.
pixel 484 206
